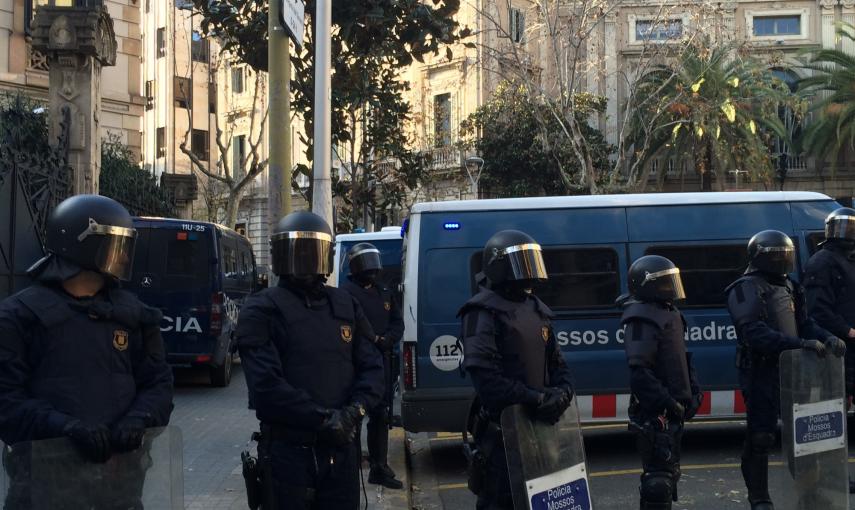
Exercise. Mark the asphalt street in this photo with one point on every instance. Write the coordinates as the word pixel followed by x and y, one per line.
pixel 711 477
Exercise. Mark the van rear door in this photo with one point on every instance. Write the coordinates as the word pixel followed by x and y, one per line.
pixel 174 271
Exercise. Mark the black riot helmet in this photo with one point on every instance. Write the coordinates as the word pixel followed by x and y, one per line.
pixel 655 278
pixel 301 245
pixel 93 232
pixel 773 252
pixel 511 255
pixel 840 225
pixel 364 257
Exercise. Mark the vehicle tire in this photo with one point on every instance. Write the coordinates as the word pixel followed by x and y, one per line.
pixel 221 376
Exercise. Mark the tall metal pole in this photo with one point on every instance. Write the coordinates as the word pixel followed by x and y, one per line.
pixel 322 192
pixel 279 122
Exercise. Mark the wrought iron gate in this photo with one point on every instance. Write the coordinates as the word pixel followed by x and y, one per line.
pixel 32 183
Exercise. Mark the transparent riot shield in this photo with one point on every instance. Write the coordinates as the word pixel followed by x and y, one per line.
pixel 813 432
pixel 546 462
pixel 51 475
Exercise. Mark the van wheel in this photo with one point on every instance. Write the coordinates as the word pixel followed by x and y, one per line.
pixel 221 376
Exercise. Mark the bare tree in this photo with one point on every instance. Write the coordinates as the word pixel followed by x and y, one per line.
pixel 227 185
pixel 555 57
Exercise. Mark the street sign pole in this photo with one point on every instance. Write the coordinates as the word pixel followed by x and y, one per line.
pixel 322 190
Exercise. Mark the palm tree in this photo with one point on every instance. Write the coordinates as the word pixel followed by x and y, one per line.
pixel 714 107
pixel 833 81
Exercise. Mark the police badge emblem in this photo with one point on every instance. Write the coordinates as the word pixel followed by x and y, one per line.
pixel 346 333
pixel 544 332
pixel 387 306
pixel 120 340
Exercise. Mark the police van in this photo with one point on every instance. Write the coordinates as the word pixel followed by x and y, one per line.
pixel 388 240
pixel 589 243
pixel 197 274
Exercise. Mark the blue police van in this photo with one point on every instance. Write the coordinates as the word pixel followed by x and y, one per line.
pixel 589 243
pixel 197 274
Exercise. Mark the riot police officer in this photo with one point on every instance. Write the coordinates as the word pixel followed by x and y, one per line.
pixel 511 353
pixel 769 312
pixel 312 370
pixel 79 356
pixel 665 391
pixel 830 287
pixel 384 314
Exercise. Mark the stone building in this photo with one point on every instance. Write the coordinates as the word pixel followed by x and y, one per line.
pixel 23 69
pixel 443 91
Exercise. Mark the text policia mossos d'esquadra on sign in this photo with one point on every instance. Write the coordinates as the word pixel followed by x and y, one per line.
pixel 712 332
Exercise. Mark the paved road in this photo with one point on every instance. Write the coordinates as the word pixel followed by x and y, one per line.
pixel 711 478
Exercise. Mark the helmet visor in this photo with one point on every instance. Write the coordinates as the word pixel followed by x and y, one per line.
pixel 301 253
pixel 367 259
pixel 840 227
pixel 776 259
pixel 666 284
pixel 115 253
pixel 526 262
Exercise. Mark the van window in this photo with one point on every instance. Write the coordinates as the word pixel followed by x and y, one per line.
pixel 187 256
pixel 813 240
pixel 706 270
pixel 229 260
pixel 579 278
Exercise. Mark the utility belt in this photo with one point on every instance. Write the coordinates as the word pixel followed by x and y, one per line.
pixel 289 435
pixel 747 359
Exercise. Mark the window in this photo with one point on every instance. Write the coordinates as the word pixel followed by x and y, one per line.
pixel 161 42
pixel 161 142
pixel 199 48
pixel 517 24
pixel 769 26
pixel 579 278
pixel 237 80
pixel 150 92
pixel 229 266
pixel 706 270
pixel 199 144
pixel 183 92
pixel 442 120
pixel 238 155
pixel 786 158
pixel 658 30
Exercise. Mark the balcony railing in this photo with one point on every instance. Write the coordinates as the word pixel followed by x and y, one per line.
pixel 444 158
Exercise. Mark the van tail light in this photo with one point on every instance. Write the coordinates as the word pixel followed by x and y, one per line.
pixel 217 313
pixel 409 365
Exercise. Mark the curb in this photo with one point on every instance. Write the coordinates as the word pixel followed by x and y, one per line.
pixel 381 498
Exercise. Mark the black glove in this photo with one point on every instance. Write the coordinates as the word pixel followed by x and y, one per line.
pixel 815 346
pixel 93 441
pixel 675 410
pixel 692 410
pixel 340 426
pixel 127 434
pixel 836 346
pixel 553 404
pixel 383 343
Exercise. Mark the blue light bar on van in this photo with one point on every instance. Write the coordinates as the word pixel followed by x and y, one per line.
pixel 451 225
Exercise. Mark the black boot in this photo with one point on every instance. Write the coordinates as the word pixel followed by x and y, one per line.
pixel 755 471
pixel 383 475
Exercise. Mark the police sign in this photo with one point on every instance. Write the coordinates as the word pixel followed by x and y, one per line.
pixel 818 427
pixel 563 490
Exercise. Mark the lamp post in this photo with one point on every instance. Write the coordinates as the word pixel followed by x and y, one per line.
pixel 736 174
pixel 474 166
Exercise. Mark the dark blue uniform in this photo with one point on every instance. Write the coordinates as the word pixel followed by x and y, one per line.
pixel 301 355
pixel 97 360
pixel 830 291
pixel 511 354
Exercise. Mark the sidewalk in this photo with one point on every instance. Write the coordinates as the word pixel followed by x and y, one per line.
pixel 380 498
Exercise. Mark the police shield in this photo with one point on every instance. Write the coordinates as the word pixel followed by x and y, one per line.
pixel 546 462
pixel 51 475
pixel 813 431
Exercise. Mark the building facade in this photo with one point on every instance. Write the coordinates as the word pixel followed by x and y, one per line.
pixel 25 70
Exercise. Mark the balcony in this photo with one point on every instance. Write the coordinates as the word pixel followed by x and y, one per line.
pixel 444 158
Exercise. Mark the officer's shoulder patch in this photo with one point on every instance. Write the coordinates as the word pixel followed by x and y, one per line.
pixel 346 333
pixel 387 306
pixel 120 340
pixel 544 332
